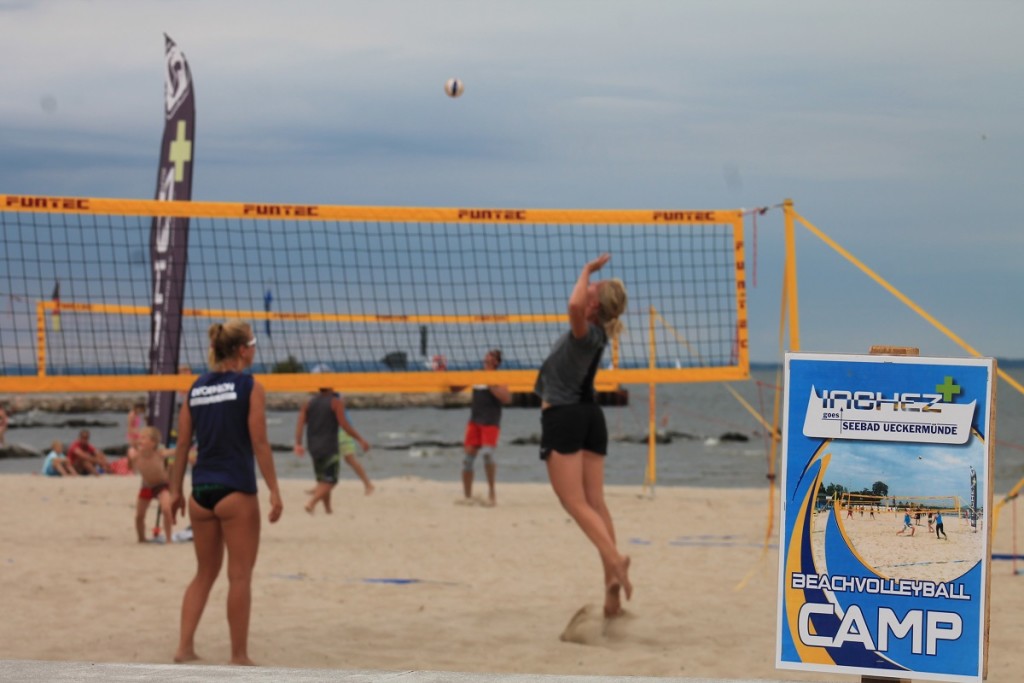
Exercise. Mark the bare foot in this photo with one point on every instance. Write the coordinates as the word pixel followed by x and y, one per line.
pixel 368 489
pixel 621 578
pixel 327 508
pixel 308 508
pixel 182 657
pixel 242 661
pixel 612 601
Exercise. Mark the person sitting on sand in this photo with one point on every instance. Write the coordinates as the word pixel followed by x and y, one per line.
pixel 55 464
pixel 86 458
pixel 148 460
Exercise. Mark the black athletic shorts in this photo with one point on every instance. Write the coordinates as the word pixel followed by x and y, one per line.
pixel 326 468
pixel 571 428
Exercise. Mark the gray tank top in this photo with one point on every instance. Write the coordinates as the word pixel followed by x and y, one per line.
pixel 321 426
pixel 486 408
pixel 567 376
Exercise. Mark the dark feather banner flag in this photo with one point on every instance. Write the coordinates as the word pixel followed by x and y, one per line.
pixel 168 240
pixel 268 297
pixel 55 319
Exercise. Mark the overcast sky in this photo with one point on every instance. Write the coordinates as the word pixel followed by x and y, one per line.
pixel 938 470
pixel 895 127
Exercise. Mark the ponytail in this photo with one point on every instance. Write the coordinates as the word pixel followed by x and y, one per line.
pixel 225 340
pixel 612 299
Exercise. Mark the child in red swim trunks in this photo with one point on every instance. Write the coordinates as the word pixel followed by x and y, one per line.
pixel 148 458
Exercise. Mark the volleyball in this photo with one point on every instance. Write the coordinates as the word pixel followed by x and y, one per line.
pixel 454 87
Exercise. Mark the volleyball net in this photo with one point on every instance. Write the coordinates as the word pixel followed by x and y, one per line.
pixel 375 298
pixel 900 504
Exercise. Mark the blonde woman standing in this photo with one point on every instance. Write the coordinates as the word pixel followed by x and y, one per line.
pixel 226 409
pixel 574 436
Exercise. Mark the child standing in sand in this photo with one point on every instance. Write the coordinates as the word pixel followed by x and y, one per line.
pixel 148 459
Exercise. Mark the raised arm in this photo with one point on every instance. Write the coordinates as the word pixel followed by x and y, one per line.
pixel 501 392
pixel 579 300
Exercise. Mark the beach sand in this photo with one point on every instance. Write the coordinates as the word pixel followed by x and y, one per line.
pixel 921 555
pixel 408 579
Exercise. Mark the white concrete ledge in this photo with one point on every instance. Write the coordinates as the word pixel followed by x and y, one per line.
pixel 27 670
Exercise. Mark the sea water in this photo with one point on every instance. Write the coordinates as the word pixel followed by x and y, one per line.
pixel 715 440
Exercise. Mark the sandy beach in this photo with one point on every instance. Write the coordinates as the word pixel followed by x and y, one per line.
pixel 881 543
pixel 409 579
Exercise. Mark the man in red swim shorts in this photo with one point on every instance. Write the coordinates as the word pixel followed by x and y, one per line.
pixel 484 427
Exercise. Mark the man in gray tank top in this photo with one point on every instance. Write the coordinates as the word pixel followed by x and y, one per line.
pixel 483 428
pixel 321 416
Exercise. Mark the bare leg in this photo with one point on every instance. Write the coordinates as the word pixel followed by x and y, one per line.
pixel 572 476
pixel 491 469
pixel 593 490
pixel 84 466
pixel 141 507
pixel 321 491
pixel 357 467
pixel 467 475
pixel 239 516
pixel 208 541
pixel 164 499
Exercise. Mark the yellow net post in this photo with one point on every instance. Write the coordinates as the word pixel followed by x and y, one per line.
pixel 789 278
pixel 41 339
pixel 1014 531
pixel 652 463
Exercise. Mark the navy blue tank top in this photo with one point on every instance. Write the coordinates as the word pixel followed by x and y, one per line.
pixel 219 404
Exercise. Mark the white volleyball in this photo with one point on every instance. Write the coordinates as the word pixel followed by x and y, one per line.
pixel 454 87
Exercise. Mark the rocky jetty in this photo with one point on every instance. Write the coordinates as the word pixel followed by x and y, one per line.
pixel 14 450
pixel 114 403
